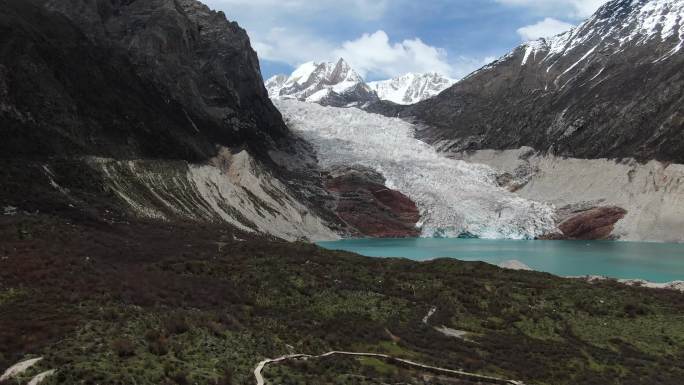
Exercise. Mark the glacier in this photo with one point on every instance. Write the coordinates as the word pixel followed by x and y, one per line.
pixel 454 197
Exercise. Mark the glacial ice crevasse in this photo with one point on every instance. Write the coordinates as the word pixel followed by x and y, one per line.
pixel 454 197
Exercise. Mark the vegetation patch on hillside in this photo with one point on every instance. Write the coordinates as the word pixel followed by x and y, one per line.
pixel 162 303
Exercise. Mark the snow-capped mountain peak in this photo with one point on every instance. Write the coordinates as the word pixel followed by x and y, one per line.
pixel 274 84
pixel 412 87
pixel 338 84
pixel 304 73
pixel 609 88
pixel 616 25
pixel 331 83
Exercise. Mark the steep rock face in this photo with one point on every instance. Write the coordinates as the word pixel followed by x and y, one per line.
pixel 612 87
pixel 152 78
pixel 330 84
pixel 234 189
pixel 411 88
pixel 594 223
pixel 365 203
pixel 154 109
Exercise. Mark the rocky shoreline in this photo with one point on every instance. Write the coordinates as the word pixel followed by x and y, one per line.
pixel 674 285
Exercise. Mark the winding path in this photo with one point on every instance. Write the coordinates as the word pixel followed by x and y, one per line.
pixel 457 373
pixel 19 368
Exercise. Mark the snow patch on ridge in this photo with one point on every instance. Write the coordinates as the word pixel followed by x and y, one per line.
pixel 454 197
pixel 615 25
pixel 586 55
pixel 531 49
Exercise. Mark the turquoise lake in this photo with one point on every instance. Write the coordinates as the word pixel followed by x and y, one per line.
pixel 655 262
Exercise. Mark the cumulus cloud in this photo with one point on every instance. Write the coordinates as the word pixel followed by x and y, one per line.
pixel 464 65
pixel 372 54
pixel 554 12
pixel 290 46
pixel 292 32
pixel 369 54
pixel 562 8
pixel 375 54
pixel 545 28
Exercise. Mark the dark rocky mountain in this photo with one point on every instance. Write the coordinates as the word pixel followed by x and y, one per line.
pixel 612 87
pixel 150 109
pixel 145 78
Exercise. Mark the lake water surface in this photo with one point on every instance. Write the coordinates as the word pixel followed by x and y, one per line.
pixel 655 262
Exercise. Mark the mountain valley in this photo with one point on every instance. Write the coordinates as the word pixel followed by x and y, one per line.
pixel 160 204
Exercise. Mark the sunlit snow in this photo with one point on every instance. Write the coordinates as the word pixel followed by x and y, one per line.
pixel 454 197
pixel 412 87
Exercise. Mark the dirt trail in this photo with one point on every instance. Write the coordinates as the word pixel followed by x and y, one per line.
pixel 41 377
pixel 457 373
pixel 19 368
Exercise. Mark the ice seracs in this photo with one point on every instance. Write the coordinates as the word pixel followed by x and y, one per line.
pixel 454 197
pixel 412 87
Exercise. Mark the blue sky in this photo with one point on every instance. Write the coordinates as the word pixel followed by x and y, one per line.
pixel 385 38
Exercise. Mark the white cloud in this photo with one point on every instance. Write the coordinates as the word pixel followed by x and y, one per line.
pixel 363 9
pixel 296 31
pixel 375 54
pixel 553 11
pixel 575 9
pixel 372 55
pixel 289 31
pixel 545 28
pixel 488 60
pixel 290 46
